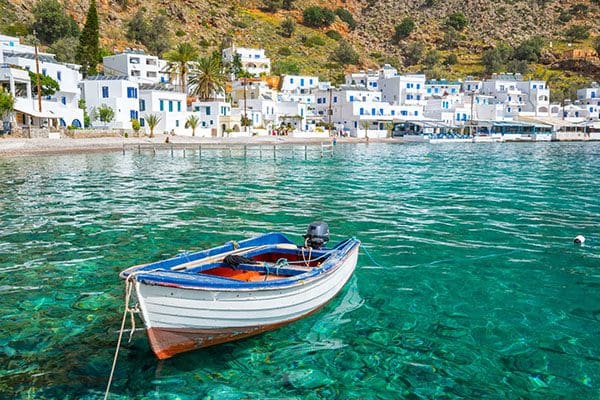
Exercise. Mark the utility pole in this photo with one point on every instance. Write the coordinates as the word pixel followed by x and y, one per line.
pixel 330 111
pixel 37 71
pixel 471 121
pixel 245 83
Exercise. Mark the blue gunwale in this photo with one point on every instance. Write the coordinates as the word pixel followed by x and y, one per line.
pixel 160 273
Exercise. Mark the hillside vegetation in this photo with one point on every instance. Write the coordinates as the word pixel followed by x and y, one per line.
pixel 446 39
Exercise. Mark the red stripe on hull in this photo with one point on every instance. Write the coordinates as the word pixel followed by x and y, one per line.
pixel 167 342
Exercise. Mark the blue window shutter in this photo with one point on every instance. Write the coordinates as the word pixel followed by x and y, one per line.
pixel 170 106
pixel 162 105
pixel 63 100
pixel 105 92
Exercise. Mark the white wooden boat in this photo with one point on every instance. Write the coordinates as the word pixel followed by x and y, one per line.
pixel 202 299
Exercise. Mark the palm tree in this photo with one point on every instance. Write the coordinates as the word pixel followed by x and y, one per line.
pixel 192 122
pixel 152 120
pixel 365 125
pixel 207 78
pixel 179 60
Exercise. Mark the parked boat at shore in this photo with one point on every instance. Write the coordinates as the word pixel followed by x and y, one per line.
pixel 238 289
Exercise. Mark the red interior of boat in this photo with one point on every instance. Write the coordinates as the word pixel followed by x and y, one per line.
pixel 253 276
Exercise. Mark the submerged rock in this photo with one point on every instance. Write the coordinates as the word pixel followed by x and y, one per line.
pixel 307 379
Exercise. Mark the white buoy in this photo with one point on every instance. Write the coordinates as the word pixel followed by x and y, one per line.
pixel 579 239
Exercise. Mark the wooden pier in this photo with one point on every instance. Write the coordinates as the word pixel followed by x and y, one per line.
pixel 243 150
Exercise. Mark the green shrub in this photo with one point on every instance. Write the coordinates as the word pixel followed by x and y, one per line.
pixel 457 21
pixel 314 40
pixel 287 27
pixel 318 17
pixel 577 32
pixel 272 5
pixel 404 29
pixel 335 35
pixel 452 59
pixel 51 22
pixel 346 16
pixel 284 51
pixel 345 54
pixel 179 33
pixel 285 67
pixel 414 53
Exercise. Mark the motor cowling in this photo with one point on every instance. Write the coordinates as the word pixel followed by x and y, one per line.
pixel 317 235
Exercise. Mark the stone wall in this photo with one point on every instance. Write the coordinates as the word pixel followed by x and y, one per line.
pixel 96 133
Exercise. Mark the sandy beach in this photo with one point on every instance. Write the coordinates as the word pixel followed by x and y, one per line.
pixel 14 147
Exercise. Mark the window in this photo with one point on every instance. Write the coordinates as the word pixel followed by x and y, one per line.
pixel 132 93
pixel 310 82
pixel 428 90
pixel 351 98
pixel 381 111
pixel 418 86
pixel 162 105
pixel 207 110
pixel 151 74
pixel 142 122
pixel 44 71
pixel 105 92
pixel 170 105
pixel 58 75
pixel 302 82
pixel 373 112
pixel 133 114
pixel 291 80
pixel 535 86
pixel 335 99
pixel 142 105
pixel 362 111
pixel 176 123
pixel 63 100
pixel 416 113
pixel 319 100
pixel 179 106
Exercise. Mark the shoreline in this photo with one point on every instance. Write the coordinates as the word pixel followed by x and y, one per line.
pixel 21 147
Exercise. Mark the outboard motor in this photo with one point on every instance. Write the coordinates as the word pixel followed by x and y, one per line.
pixel 317 235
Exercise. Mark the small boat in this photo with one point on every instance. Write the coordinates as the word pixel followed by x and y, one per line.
pixel 238 289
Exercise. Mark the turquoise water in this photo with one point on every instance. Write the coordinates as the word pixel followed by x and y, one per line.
pixel 481 293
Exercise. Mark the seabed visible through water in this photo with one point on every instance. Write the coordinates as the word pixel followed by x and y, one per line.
pixel 480 293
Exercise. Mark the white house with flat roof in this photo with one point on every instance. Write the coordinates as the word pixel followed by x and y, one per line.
pixel 438 88
pixel 298 84
pixel 352 109
pixel 165 102
pixel 368 80
pixel 590 99
pixel 518 96
pixel 121 93
pixel 406 89
pixel 137 65
pixel 62 105
pixel 254 61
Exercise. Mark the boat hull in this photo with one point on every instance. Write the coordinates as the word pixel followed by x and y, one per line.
pixel 183 319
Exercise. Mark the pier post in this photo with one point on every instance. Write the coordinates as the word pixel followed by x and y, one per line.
pixel 229 150
pixel 123 148
pixel 274 152
pixel 321 150
pixel 245 151
pixel 184 152
pixel 154 149
pixel 171 150
pixel 139 149
pixel 199 151
pixel 260 151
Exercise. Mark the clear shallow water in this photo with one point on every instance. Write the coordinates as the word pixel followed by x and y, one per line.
pixel 482 294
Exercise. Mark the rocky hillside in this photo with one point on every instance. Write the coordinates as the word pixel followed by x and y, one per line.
pixel 246 22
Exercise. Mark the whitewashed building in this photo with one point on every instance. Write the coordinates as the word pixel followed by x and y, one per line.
pixel 121 93
pixel 406 89
pixel 436 88
pixel 254 61
pixel 166 103
pixel 590 99
pixel 518 97
pixel 136 65
pixel 368 80
pixel 62 105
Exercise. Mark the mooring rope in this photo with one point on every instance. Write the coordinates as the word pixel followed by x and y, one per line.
pixel 129 287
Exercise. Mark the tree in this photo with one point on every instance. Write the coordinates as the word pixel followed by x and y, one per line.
pixel 529 50
pixel 285 67
pixel 365 125
pixel 496 58
pixel 345 53
pixel 457 21
pixel 577 32
pixel 452 59
pixel 192 122
pixel 451 38
pixel 207 77
pixel 154 33
pixel 88 51
pixel 51 22
pixel 103 113
pixel 404 29
pixel 7 103
pixel 273 5
pixel 318 17
pixel 597 45
pixel 49 86
pixel 432 58
pixel 288 4
pixel 152 120
pixel 65 49
pixel 288 26
pixel 414 53
pixel 346 16
pixel 179 60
